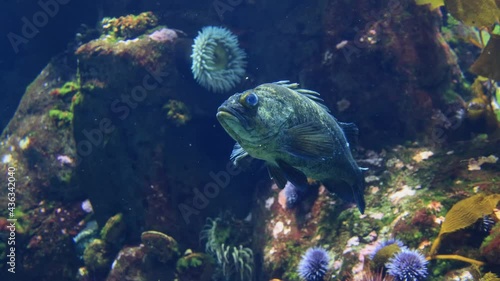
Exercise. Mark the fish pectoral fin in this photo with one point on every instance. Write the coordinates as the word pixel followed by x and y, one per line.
pixel 348 193
pixel 277 175
pixel 351 132
pixel 293 175
pixel 238 154
pixel 309 140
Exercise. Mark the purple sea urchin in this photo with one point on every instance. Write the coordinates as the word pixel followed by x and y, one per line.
pixel 218 63
pixel 314 264
pixel 407 265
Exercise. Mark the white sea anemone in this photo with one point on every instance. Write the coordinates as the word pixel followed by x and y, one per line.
pixel 218 63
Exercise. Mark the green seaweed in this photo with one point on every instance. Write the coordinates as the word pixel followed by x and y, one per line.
pixel 76 100
pixel 434 4
pixel 477 13
pixel 128 27
pixel 294 252
pixel 69 87
pixel 97 256
pixel 61 116
pixel 114 230
pixel 65 176
pixel 195 266
pixel 189 261
pixel 177 112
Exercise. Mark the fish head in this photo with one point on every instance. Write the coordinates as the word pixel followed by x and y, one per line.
pixel 254 116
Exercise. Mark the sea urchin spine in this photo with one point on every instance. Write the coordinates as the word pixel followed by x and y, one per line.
pixel 407 265
pixel 314 264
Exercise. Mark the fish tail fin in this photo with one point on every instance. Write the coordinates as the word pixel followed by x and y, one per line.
pixel 358 190
pixel 349 193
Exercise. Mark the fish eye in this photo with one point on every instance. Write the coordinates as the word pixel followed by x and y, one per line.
pixel 251 99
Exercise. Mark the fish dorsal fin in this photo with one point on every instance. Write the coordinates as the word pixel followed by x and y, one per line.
pixel 309 140
pixel 312 95
pixel 277 175
pixel 295 176
pixel 351 133
pixel 238 154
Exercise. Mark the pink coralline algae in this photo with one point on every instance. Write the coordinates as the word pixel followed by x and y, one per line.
pixel 163 35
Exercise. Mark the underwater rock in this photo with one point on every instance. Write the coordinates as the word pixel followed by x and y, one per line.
pixel 130 26
pixel 129 144
pixel 490 248
pixel 124 82
pixel 465 274
pixel 163 247
pixel 320 219
pixel 38 159
pixel 97 257
pixel 128 265
pixel 132 264
pixel 394 57
pixel 103 135
pixel 48 233
pixel 47 208
pixel 281 241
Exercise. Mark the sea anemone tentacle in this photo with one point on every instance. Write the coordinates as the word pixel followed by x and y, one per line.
pixel 218 63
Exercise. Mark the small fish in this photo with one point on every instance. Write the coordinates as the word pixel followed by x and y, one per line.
pixel 295 134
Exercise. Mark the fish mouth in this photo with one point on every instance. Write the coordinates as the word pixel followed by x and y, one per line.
pixel 230 115
pixel 231 120
pixel 225 112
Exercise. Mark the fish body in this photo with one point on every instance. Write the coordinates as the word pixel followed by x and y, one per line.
pixel 295 134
